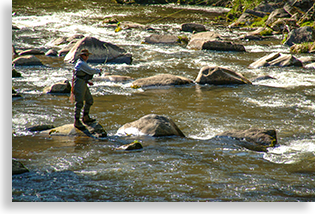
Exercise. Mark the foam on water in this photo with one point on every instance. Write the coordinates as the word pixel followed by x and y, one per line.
pixel 294 152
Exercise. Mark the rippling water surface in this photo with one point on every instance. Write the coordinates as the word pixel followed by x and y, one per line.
pixel 197 168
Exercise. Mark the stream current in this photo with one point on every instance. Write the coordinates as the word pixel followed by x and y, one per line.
pixel 196 168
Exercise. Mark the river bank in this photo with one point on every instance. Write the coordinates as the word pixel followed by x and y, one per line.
pixel 198 167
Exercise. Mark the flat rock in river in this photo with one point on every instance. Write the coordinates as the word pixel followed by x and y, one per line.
pixel 151 125
pixel 213 41
pixel 161 80
pixel 92 130
pixel 161 39
pixel 253 139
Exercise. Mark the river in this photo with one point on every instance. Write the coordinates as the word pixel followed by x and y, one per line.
pixel 196 168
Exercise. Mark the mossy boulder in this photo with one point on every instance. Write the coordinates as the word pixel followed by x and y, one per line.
pixel 18 167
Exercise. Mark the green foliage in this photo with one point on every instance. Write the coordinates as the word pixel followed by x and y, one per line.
pixel 239 6
pixel 259 22
pixel 305 47
pixel 308 23
pixel 266 32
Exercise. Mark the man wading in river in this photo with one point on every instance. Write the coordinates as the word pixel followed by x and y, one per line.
pixel 83 73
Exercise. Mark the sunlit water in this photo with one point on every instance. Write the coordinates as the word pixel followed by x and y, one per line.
pixel 199 167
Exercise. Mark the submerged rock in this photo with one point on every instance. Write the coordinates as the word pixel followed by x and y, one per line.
pixel 151 125
pixel 38 128
pixel 161 80
pixel 216 75
pixel 94 130
pixel 253 139
pixel 18 167
pixel 101 52
pixel 132 146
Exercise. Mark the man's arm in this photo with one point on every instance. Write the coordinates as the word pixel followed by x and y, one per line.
pixel 83 66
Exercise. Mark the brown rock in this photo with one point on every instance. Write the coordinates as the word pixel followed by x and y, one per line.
pixel 220 76
pixel 151 125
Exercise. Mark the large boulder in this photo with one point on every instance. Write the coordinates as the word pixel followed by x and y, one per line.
pixel 28 60
pixel 212 41
pixel 300 35
pixel 216 75
pixel 161 80
pixel 101 52
pixel 151 125
pixel 276 59
pixel 18 167
pixel 33 51
pixel 253 138
pixel 93 130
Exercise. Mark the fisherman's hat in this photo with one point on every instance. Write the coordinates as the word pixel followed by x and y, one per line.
pixel 85 52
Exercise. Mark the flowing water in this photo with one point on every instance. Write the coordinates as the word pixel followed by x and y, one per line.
pixel 199 167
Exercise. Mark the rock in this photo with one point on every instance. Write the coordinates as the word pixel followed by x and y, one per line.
pixel 51 52
pixel 59 87
pixel 308 47
pixel 15 73
pixel 65 50
pixel 32 52
pixel 253 139
pixel 162 39
pixel 101 52
pixel 132 146
pixel 151 125
pixel 94 130
pixel 286 60
pixel 18 167
pixel 265 77
pixel 300 35
pixel 277 13
pixel 113 78
pixel 161 80
pixel 310 66
pixel 28 60
pixel 212 41
pixel 59 41
pixel 254 35
pixel 40 128
pixel 131 25
pixel 220 76
pixel 192 27
pixel 284 25
pixel 267 7
pixel 264 61
pixel 276 59
pixel 248 18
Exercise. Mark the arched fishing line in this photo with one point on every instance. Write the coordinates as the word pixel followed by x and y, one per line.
pixel 197 3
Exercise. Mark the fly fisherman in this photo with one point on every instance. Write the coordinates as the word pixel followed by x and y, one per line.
pixel 83 73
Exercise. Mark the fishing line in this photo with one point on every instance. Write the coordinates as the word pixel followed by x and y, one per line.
pixel 197 3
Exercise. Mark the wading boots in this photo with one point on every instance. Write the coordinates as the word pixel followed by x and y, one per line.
pixel 86 119
pixel 78 124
